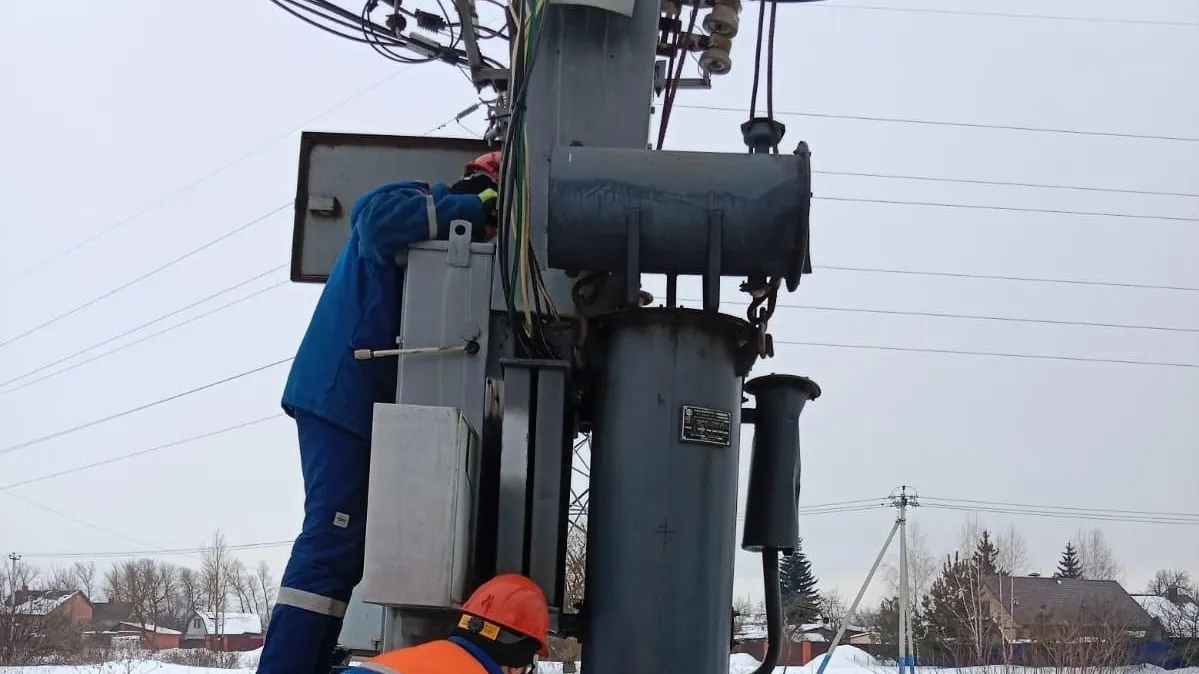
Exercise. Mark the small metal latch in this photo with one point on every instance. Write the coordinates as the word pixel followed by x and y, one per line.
pixel 458 252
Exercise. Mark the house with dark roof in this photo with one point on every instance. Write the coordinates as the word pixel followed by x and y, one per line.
pixel 39 605
pixel 1034 607
pixel 114 622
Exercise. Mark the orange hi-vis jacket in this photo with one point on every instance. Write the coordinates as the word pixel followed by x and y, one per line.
pixel 444 656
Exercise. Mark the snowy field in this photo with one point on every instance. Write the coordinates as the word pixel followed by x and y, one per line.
pixel 846 660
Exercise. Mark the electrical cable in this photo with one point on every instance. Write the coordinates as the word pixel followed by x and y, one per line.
pixel 990 354
pixel 142 452
pixel 1014 279
pixel 199 181
pixel 1015 209
pixel 1043 507
pixel 35 441
pixel 964 125
pixel 132 330
pixel 237 230
pixel 1003 183
pixel 90 525
pixel 1004 15
pixel 155 551
pixel 144 338
pixel 1064 516
pixel 982 317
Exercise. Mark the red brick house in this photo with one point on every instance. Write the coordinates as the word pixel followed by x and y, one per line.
pixel 804 642
pixel 39 605
pixel 223 632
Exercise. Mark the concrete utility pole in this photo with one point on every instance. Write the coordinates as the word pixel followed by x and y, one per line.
pixel 13 558
pixel 907 653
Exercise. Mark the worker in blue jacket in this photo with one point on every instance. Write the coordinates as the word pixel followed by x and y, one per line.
pixel 331 396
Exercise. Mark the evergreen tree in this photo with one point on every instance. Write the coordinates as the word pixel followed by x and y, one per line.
pixel 1070 566
pixel 986 556
pixel 800 599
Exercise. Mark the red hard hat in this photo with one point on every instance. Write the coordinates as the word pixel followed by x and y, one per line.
pixel 488 164
pixel 515 603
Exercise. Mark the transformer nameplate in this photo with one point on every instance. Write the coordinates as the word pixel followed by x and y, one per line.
pixel 704 426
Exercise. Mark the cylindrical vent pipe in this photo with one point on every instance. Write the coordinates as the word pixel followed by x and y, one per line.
pixel 771 520
pixel 661 528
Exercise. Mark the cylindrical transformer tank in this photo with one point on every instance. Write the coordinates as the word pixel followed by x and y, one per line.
pixel 760 201
pixel 771 520
pixel 663 492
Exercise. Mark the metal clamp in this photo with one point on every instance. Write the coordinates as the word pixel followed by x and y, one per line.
pixel 470 348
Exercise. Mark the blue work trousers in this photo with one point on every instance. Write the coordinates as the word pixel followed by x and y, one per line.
pixel 326 559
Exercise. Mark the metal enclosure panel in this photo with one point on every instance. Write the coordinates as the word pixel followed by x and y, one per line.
pixel 762 202
pixel 362 630
pixel 444 305
pixel 420 507
pixel 663 506
pixel 337 168
pixel 514 469
pixel 551 485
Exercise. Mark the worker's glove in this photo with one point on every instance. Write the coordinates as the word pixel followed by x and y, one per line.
pixel 475 184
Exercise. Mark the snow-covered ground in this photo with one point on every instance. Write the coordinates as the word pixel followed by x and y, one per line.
pixel 845 660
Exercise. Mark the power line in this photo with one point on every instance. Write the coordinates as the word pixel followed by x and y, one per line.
pixel 199 181
pixel 961 125
pixel 143 277
pixel 1021 279
pixel 1065 516
pixel 1015 209
pixel 1035 506
pixel 1006 183
pixel 130 331
pixel 989 354
pixel 979 317
pixel 144 338
pixel 142 452
pixel 160 401
pixel 74 519
pixel 1009 15
pixel 154 551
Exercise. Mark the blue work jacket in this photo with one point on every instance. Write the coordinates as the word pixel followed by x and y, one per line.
pixel 359 307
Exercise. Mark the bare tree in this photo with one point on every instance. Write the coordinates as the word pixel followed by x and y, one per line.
pixel 833 610
pixel 969 533
pixel 30 636
pixel 1013 551
pixel 215 579
pixel 85 578
pixel 922 566
pixel 1098 562
pixel 58 578
pixel 1166 580
pixel 267 592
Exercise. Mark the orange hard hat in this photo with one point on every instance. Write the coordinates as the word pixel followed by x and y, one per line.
pixel 488 164
pixel 515 603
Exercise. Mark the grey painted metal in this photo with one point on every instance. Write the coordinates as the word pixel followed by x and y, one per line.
pixel 592 83
pixel 514 469
pixel 534 478
pixel 420 506
pixel 403 627
pixel 662 519
pixel 771 519
pixel 362 629
pixel 446 302
pixel 762 202
pixel 550 490
pixel 337 168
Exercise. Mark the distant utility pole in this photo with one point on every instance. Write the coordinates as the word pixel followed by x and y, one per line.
pixel 907 653
pixel 13 558
pixel 904 498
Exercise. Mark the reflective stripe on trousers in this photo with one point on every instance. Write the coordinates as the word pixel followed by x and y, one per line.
pixel 311 601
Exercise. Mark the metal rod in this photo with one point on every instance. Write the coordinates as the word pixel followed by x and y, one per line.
pixel 858 599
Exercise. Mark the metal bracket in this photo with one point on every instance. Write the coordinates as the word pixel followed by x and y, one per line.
pixel 458 254
pixel 712 273
pixel 632 277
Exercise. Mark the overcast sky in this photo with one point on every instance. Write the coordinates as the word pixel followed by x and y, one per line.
pixel 113 107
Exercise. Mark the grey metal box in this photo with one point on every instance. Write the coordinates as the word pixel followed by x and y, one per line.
pixel 420 508
pixel 337 168
pixel 446 301
pixel 362 630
